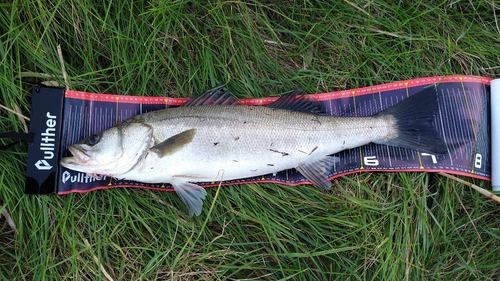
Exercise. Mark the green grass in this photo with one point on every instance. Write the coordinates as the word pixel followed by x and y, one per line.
pixel 378 226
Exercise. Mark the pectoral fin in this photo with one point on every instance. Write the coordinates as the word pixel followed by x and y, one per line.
pixel 191 194
pixel 174 143
pixel 318 171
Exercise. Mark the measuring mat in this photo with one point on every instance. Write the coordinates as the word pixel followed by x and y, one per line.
pixel 61 118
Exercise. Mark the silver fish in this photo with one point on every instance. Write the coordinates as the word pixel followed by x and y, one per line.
pixel 212 139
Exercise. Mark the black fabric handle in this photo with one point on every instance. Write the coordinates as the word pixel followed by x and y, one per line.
pixel 28 137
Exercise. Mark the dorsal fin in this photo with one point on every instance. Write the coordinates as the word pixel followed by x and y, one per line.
pixel 292 101
pixel 215 96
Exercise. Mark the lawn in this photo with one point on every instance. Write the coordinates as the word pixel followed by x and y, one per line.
pixel 370 226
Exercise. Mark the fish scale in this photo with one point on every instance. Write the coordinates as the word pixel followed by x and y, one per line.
pixel 244 141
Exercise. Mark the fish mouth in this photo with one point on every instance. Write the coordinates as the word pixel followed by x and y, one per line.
pixel 80 156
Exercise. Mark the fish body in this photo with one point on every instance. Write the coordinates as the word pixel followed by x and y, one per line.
pixel 208 141
pixel 244 141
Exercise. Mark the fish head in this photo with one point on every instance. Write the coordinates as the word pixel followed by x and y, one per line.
pixel 111 152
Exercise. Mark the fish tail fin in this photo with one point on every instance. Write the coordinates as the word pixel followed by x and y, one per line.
pixel 415 118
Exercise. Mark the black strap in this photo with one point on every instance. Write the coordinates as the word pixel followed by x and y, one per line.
pixel 28 137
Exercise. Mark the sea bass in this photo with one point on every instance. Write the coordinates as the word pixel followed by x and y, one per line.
pixel 212 139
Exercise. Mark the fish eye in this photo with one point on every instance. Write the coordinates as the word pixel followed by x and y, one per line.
pixel 93 139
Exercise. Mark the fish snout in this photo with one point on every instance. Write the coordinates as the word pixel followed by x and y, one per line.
pixel 80 155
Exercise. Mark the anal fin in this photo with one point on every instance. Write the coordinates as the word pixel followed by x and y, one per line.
pixel 317 171
pixel 192 196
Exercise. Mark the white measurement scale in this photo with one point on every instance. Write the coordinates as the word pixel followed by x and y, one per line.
pixel 495 134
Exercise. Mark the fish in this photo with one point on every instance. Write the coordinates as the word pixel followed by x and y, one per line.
pixel 212 138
